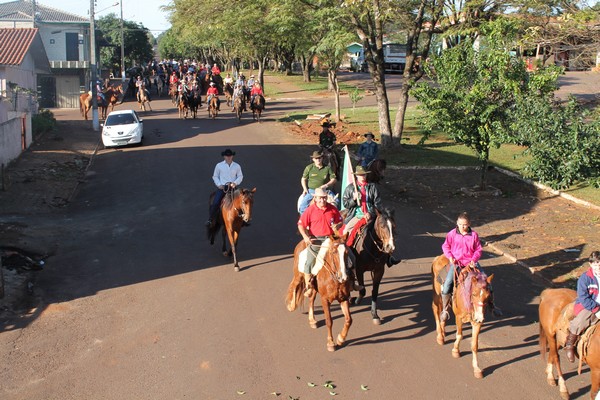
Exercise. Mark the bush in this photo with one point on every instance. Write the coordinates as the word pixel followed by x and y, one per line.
pixel 43 122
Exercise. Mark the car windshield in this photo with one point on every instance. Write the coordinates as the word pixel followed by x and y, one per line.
pixel 120 119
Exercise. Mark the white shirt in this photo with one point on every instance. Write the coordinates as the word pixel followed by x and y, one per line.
pixel 225 173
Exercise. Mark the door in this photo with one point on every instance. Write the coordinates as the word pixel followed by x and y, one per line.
pixel 67 91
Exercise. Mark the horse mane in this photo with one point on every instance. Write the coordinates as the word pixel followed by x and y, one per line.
pixel 387 212
pixel 468 286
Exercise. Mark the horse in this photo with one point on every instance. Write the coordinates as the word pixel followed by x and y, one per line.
pixel 330 282
pixel 377 170
pixel 238 106
pixel 228 91
pixel 85 105
pixel 195 100
pixel 257 105
pixel 143 99
pixel 555 310
pixel 173 93
pixel 471 296
pixel 183 105
pixel 372 249
pixel 235 210
pixel 112 96
pixel 213 109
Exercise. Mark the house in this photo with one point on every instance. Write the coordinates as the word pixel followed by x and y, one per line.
pixel 22 58
pixel 356 56
pixel 65 37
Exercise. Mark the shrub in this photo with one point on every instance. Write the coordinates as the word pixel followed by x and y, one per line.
pixel 43 122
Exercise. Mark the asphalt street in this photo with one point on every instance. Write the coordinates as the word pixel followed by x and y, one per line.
pixel 137 304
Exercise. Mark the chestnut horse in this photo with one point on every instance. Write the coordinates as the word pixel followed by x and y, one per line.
pixel 372 249
pixel 555 310
pixel 112 96
pixel 183 105
pixel 238 106
pixel 257 106
pixel 228 91
pixel 213 109
pixel 377 170
pixel 235 210
pixel 471 296
pixel 330 282
pixel 143 99
pixel 85 105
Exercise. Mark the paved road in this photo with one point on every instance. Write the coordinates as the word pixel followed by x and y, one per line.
pixel 139 305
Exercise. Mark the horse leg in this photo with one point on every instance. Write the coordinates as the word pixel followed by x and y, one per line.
pixel 329 322
pixel 341 338
pixel 474 347
pixel 312 322
pixel 149 106
pixel 436 306
pixel 377 275
pixel 595 382
pixel 459 327
pixel 233 238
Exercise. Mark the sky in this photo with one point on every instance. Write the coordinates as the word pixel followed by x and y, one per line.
pixel 146 12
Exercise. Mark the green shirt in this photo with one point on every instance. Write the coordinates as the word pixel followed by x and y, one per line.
pixel 317 177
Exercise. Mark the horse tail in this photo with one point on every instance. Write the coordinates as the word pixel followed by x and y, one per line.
pixel 295 293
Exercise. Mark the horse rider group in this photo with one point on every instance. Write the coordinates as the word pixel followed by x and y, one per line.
pixel 319 218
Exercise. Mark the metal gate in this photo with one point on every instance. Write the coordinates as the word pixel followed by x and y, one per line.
pixel 67 91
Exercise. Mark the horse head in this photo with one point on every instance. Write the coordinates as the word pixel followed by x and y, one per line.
pixel 477 293
pixel 385 227
pixel 246 200
pixel 336 257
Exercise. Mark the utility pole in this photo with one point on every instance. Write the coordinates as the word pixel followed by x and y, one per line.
pixel 122 47
pixel 94 77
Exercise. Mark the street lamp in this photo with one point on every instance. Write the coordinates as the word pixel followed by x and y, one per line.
pixel 122 47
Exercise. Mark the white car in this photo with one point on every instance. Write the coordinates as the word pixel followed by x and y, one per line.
pixel 121 128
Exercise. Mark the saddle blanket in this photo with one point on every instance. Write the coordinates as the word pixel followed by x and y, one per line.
pixel 320 261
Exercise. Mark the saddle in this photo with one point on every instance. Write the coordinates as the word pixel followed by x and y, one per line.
pixel 357 235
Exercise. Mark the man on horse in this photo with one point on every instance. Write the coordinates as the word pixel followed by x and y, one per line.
pixel 367 151
pixel 327 139
pixel 361 199
pixel 587 304
pixel 256 91
pixel 462 247
pixel 226 176
pixel 213 92
pixel 317 223
pixel 238 92
pixel 141 85
pixel 315 176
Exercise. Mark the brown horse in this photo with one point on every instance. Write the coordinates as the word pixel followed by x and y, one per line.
pixel 213 109
pixel 228 91
pixel 377 170
pixel 471 296
pixel 372 249
pixel 112 96
pixel 85 105
pixel 238 107
pixel 555 310
pixel 143 99
pixel 257 105
pixel 183 105
pixel 235 210
pixel 331 283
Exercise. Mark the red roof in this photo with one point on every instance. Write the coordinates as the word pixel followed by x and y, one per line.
pixel 14 43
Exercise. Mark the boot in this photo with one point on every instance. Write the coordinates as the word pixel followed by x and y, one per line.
pixel 308 292
pixel 445 315
pixel 392 261
pixel 570 346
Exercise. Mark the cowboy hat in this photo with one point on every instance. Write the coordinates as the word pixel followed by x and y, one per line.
pixel 320 193
pixel 212 84
pixel 228 152
pixel 369 134
pixel 361 171
pixel 325 122
pixel 316 154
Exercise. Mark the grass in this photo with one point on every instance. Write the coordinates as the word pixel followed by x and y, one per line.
pixel 439 149
pixel 316 85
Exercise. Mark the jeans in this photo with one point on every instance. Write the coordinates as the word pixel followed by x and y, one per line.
pixel 214 206
pixel 447 286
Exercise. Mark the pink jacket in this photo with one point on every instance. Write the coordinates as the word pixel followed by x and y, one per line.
pixel 464 248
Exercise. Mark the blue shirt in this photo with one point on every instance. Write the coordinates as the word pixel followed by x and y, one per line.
pixel 368 151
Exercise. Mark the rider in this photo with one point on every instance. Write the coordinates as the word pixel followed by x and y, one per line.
pixel 213 92
pixel 256 91
pixel 141 85
pixel 316 224
pixel 462 247
pixel 362 200
pixel 238 92
pixel 315 176
pixel 368 150
pixel 327 139
pixel 587 304
pixel 227 176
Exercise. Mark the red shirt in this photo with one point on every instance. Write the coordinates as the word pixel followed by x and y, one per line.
pixel 212 90
pixel 256 90
pixel 318 222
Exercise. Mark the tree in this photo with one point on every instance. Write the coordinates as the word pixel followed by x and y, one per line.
pixel 138 48
pixel 476 91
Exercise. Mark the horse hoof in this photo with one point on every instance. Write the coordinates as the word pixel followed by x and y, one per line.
pixel 551 382
pixel 236 268
pixel 313 324
pixel 478 374
pixel 455 353
pixel 376 321
pixel 440 340
pixel 358 300
pixel 339 340
pixel 565 395
pixel 331 347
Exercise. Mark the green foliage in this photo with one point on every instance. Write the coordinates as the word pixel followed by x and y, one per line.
pixel 355 97
pixel 562 142
pixel 42 122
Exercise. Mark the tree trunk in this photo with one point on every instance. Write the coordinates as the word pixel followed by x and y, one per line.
pixel 400 115
pixel 383 114
pixel 306 68
pixel 484 169
pixel 333 82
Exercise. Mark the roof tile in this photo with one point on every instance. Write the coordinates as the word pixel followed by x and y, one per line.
pixel 14 44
